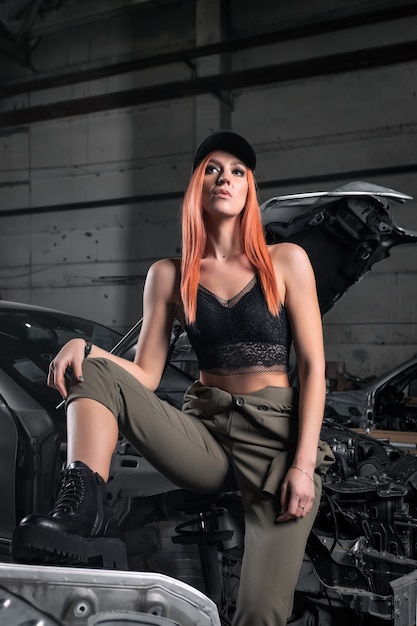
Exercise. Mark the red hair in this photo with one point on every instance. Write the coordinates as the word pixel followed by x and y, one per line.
pixel 194 239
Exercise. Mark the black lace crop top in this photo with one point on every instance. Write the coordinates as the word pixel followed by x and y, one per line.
pixel 239 336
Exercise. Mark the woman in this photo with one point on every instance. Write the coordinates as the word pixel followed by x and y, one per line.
pixel 242 426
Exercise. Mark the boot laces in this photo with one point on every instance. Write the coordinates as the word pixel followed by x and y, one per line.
pixel 71 491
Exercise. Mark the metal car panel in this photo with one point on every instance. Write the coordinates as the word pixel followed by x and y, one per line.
pixel 72 596
pixel 8 451
pixel 405 599
pixel 353 224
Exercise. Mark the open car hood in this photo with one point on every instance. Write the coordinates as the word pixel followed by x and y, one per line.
pixel 344 232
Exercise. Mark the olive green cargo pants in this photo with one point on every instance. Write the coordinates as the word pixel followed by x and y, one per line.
pixel 219 442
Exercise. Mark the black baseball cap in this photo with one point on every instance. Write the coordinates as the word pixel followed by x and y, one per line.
pixel 228 141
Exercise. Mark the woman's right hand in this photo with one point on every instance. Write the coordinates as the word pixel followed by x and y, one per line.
pixel 70 356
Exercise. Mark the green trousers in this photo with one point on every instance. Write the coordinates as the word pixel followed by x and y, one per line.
pixel 218 442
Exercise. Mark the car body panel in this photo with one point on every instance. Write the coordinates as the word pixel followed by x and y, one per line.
pixel 386 401
pixel 92 597
pixel 345 232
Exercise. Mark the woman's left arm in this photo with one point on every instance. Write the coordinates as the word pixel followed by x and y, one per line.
pixel 302 306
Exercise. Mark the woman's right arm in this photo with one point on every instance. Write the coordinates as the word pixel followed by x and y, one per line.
pixel 159 304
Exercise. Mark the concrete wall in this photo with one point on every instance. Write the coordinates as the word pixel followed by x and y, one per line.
pixel 89 199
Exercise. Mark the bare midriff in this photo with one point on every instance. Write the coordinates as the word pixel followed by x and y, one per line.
pixel 245 383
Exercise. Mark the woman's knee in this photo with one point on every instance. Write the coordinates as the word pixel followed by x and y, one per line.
pixel 99 384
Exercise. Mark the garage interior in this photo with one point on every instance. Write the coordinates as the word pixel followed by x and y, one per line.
pixel 103 103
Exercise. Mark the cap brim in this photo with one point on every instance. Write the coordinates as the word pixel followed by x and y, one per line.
pixel 226 141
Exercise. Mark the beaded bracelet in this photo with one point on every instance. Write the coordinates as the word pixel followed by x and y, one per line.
pixel 87 349
pixel 304 472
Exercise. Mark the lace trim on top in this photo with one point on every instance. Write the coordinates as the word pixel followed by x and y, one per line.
pixel 239 336
pixel 233 301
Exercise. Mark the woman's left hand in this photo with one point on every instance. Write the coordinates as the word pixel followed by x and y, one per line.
pixel 297 495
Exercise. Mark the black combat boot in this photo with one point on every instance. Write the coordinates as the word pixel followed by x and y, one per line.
pixel 79 530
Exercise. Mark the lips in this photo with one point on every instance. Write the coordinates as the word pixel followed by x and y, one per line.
pixel 222 194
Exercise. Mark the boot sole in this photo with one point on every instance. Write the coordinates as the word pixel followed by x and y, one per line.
pixel 42 546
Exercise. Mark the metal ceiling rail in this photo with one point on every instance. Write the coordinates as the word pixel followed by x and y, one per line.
pixel 297 30
pixel 217 84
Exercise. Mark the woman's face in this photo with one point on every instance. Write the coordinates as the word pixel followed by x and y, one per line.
pixel 225 185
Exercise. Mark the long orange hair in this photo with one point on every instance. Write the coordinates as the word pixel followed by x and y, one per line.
pixel 194 237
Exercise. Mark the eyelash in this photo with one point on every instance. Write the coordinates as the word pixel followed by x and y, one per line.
pixel 212 168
